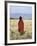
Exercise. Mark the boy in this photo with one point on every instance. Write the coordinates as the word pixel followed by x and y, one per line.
pixel 20 25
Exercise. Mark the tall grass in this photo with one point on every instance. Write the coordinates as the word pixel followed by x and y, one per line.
pixel 15 35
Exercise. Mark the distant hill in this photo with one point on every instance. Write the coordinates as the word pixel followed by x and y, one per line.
pixel 24 16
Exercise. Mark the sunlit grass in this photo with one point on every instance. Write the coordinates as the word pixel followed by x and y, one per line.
pixel 14 34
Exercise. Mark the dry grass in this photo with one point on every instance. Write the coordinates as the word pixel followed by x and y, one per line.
pixel 15 35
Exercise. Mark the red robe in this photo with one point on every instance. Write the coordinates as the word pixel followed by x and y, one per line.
pixel 20 26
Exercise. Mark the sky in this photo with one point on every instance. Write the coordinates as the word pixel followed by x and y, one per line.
pixel 24 11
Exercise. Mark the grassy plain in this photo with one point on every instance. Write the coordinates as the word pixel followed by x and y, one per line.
pixel 15 35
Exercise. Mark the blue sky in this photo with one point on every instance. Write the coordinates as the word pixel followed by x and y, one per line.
pixel 24 11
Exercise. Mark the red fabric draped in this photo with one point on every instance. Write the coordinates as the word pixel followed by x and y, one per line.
pixel 20 26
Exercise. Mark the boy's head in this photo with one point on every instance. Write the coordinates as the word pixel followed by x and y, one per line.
pixel 20 18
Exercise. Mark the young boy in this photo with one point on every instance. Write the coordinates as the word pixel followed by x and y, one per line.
pixel 20 25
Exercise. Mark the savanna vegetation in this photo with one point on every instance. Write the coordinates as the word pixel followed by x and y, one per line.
pixel 15 35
